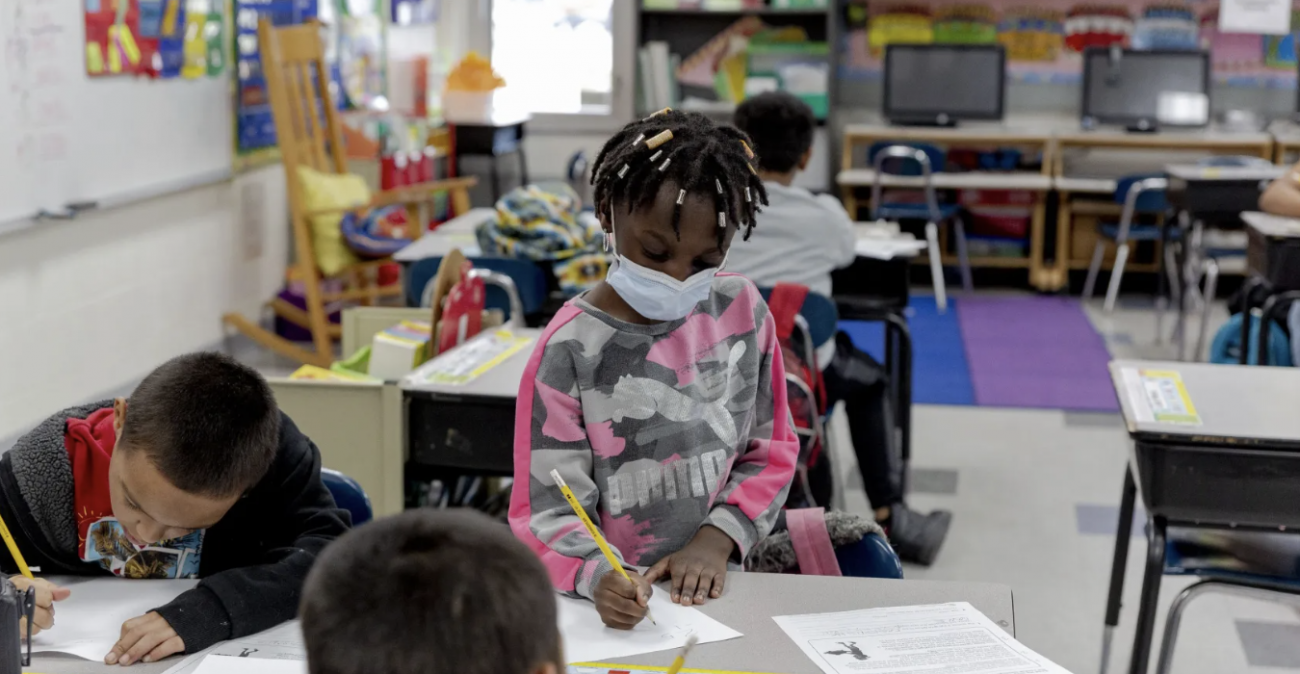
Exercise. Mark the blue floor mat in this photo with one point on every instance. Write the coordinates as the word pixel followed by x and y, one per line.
pixel 940 374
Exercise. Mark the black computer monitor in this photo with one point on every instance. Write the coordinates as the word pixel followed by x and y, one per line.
pixel 1124 86
pixel 943 83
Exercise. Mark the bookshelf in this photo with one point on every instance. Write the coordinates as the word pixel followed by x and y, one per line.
pixel 687 29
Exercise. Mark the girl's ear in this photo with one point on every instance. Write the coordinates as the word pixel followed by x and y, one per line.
pixel 602 214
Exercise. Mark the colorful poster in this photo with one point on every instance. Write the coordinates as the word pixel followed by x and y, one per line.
pixel 1045 40
pixel 154 38
pixel 254 125
pixel 203 48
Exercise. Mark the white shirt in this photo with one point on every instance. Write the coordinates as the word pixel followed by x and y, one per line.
pixel 799 238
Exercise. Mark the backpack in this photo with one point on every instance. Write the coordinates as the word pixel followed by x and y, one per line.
pixel 806 397
pixel 1226 347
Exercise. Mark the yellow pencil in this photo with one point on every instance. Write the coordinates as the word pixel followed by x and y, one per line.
pixel 680 661
pixel 13 549
pixel 591 529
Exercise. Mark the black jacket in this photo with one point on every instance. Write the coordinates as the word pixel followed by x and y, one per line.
pixel 254 561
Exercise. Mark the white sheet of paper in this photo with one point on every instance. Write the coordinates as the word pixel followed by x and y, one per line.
pixel 1265 17
pixel 948 637
pixel 888 249
pixel 89 621
pixel 283 642
pixel 226 664
pixel 586 639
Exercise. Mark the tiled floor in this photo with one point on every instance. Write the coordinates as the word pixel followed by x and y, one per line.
pixel 1035 496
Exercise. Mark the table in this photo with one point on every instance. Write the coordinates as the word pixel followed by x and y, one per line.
pixel 1239 467
pixel 458 232
pixel 750 602
pixel 1032 134
pixel 1286 139
pixel 466 428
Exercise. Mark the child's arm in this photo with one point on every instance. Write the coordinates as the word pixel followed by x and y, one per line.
pixel 246 600
pixel 760 478
pixel 550 435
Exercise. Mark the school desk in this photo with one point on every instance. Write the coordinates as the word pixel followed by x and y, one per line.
pixel 1213 446
pixel 1286 140
pixel 1032 136
pixel 458 232
pixel 467 427
pixel 750 602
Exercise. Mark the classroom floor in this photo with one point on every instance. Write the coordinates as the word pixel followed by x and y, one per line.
pixel 1035 496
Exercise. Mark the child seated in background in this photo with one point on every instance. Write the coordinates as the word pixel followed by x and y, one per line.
pixel 659 395
pixel 197 475
pixel 801 238
pixel 430 592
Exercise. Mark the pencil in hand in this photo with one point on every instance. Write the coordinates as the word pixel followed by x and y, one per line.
pixel 595 533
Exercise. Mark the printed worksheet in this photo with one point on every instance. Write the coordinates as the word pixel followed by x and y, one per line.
pixel 901 640
pixel 586 639
pixel 283 642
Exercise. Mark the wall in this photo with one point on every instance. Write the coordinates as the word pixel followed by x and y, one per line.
pixel 87 307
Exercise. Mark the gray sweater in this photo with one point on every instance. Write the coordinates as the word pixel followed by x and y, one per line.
pixel 799 238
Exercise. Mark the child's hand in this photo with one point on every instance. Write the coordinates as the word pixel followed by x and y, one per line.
pixel 621 604
pixel 145 639
pixel 46 594
pixel 699 569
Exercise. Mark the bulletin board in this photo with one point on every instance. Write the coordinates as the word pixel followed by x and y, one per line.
pixel 156 38
pixel 1045 39
pixel 254 126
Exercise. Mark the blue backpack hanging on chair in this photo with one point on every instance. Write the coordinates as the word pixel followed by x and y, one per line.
pixel 1226 348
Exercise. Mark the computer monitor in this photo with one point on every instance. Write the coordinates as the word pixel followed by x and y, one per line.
pixel 1139 88
pixel 942 83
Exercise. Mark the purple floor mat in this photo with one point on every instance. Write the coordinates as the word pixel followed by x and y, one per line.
pixel 1035 352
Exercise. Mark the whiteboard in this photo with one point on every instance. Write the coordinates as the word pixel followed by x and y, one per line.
pixel 67 138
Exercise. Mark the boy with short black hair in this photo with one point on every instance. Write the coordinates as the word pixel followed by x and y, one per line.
pixel 197 475
pixel 430 592
pixel 801 238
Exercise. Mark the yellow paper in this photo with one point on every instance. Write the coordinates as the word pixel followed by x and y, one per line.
pixel 128 44
pixel 94 58
pixel 170 13
pixel 114 52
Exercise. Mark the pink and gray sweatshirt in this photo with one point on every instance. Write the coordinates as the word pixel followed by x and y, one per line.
pixel 658 430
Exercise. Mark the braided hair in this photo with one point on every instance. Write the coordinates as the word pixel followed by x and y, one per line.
pixel 689 151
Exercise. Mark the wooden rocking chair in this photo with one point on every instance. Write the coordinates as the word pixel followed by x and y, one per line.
pixel 297 80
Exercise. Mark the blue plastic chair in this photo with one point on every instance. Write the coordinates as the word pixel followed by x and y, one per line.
pixel 529 280
pixel 1181 559
pixel 348 495
pixel 871 557
pixel 919 160
pixel 1138 194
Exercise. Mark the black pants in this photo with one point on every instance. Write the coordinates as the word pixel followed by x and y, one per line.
pixel 862 383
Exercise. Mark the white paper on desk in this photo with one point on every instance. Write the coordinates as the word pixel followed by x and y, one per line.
pixel 283 642
pixel 586 639
pixel 89 622
pixel 939 637
pixel 888 249
pixel 1265 17
pixel 227 664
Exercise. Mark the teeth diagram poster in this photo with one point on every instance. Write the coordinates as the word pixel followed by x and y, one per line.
pixel 1045 39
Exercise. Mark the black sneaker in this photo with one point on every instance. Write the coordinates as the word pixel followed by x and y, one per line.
pixel 917 537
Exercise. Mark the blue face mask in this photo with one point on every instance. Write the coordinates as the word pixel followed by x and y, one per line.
pixel 657 295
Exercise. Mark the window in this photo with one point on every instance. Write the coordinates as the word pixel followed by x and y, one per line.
pixel 559 61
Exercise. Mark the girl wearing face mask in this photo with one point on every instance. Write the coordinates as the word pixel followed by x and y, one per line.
pixel 659 395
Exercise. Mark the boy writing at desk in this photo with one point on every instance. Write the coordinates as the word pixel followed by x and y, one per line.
pixel 197 474
pixel 659 395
